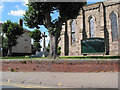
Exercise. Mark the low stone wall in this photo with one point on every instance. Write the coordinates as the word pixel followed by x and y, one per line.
pixel 60 66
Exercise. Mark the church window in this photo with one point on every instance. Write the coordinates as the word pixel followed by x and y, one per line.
pixel 113 18
pixel 92 32
pixel 73 31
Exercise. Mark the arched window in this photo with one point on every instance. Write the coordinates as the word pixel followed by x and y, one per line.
pixel 114 29
pixel 73 31
pixel 92 32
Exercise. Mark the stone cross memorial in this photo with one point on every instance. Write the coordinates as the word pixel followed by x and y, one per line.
pixel 43 52
pixel 44 47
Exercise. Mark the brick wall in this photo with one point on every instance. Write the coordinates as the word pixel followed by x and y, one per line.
pixel 61 66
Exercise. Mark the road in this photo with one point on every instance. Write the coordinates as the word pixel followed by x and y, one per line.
pixel 5 86
pixel 14 86
pixel 18 85
pixel 30 86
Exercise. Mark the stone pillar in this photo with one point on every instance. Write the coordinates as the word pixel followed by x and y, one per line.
pixel 80 30
pixel 69 36
pixel 101 17
pixel 103 27
pixel 119 33
pixel 84 36
pixel 63 40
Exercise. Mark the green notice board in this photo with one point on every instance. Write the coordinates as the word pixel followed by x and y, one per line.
pixel 92 45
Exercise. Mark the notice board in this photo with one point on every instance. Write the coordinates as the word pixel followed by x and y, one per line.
pixel 93 45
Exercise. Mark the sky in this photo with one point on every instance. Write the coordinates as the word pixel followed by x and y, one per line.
pixel 14 9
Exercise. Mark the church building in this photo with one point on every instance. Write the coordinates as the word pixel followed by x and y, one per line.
pixel 98 20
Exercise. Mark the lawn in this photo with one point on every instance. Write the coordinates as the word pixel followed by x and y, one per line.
pixel 23 57
pixel 89 57
pixel 66 57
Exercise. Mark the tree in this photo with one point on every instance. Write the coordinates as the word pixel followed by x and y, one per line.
pixel 12 32
pixel 4 46
pixel 38 13
pixel 58 49
pixel 36 35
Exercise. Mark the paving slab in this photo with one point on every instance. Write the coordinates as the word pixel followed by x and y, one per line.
pixel 72 80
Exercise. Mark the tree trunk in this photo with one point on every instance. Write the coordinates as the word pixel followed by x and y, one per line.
pixel 9 51
pixel 53 47
pixel 53 38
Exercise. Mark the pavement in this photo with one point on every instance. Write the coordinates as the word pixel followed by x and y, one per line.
pixel 64 60
pixel 63 80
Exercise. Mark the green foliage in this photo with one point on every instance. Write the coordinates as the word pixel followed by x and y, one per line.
pixel 36 46
pixel 22 57
pixel 90 57
pixel 12 32
pixel 37 12
pixel 58 50
pixel 16 68
pixel 36 35
pixel 30 61
pixel 5 44
pixel 12 70
pixel 23 62
pixel 70 10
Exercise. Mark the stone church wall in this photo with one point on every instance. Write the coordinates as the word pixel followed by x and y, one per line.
pixel 100 12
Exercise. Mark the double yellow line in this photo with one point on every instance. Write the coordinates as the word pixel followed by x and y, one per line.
pixel 21 86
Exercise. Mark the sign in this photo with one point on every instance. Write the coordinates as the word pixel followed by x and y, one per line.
pixel 93 45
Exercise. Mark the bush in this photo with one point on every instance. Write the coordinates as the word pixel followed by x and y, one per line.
pixel 12 70
pixel 58 50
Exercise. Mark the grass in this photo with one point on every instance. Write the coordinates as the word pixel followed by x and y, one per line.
pixel 23 57
pixel 65 57
pixel 89 57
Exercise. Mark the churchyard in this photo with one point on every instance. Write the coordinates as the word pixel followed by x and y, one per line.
pixel 86 42
pixel 90 50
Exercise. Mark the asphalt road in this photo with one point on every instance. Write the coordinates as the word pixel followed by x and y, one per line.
pixel 27 86
pixel 5 87
pixel 16 86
